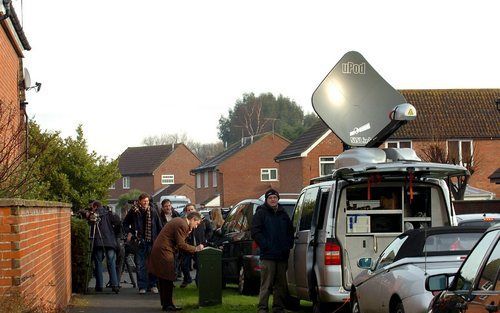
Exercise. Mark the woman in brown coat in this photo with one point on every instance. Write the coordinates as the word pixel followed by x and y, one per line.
pixel 162 259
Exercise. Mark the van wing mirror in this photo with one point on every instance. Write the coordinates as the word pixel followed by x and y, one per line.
pixel 365 263
pixel 438 282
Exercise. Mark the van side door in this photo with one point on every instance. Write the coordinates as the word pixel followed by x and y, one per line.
pixel 303 260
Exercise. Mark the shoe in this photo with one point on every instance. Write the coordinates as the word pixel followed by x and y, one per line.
pixel 115 289
pixel 142 291
pixel 184 284
pixel 171 308
pixel 154 290
pixel 98 289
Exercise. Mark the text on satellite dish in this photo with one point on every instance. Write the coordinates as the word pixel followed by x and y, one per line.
pixel 353 68
pixel 360 140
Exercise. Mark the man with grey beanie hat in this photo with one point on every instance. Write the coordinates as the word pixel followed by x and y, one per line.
pixel 273 232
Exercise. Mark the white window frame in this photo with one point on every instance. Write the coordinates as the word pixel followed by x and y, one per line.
pixel 198 180
pixel 205 179
pixel 268 171
pixel 113 186
pixel 398 143
pixel 326 162
pixel 214 179
pixel 168 179
pixel 126 182
pixel 460 156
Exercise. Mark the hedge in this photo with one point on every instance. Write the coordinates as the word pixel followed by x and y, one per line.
pixel 80 255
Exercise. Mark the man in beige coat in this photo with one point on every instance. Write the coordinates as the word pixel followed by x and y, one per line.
pixel 162 259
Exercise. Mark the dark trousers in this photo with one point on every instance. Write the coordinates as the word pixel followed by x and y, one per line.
pixel 272 280
pixel 166 288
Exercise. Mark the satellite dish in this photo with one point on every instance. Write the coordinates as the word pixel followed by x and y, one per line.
pixel 27 79
pixel 358 105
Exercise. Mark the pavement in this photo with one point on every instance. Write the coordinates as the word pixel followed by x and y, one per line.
pixel 127 300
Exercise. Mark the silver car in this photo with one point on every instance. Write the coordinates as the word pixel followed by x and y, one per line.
pixel 395 283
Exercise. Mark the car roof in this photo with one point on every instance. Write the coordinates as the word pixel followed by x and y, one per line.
pixel 414 245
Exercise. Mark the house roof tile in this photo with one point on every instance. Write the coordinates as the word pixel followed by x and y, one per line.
pixel 452 113
pixel 143 160
pixel 304 141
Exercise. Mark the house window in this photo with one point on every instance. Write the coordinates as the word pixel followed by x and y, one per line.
pixel 198 180
pixel 268 174
pixel 167 179
pixel 398 144
pixel 326 165
pixel 113 186
pixel 460 152
pixel 126 182
pixel 214 179
pixel 205 180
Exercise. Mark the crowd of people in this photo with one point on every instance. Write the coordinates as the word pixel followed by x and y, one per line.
pixel 160 246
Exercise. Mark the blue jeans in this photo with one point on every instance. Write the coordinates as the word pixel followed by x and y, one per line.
pixel 98 257
pixel 144 279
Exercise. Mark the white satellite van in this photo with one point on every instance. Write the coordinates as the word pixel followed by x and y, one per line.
pixel 178 202
pixel 372 195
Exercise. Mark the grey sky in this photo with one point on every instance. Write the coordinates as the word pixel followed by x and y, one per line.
pixel 129 69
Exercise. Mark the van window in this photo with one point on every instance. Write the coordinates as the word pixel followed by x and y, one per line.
pixel 490 275
pixel 298 210
pixel 322 207
pixel 308 206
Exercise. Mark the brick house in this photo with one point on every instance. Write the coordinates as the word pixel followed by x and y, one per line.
pixel 156 170
pixel 244 170
pixel 311 155
pixel 465 122
pixel 13 117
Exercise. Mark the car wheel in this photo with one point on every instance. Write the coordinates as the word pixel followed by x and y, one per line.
pixel 355 304
pixel 399 308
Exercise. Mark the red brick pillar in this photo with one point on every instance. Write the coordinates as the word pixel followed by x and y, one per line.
pixel 35 249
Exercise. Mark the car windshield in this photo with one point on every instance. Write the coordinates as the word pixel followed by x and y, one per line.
pixel 451 242
pixel 469 270
pixel 388 255
pixel 289 207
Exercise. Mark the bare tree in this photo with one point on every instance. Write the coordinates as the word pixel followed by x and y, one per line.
pixel 203 151
pixel 436 152
pixel 15 165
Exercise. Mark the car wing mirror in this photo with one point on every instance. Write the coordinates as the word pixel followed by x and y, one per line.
pixel 438 282
pixel 365 263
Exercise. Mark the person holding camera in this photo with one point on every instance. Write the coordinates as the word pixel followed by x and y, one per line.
pixel 103 225
pixel 143 224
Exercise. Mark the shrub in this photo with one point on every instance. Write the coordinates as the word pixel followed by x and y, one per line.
pixel 80 255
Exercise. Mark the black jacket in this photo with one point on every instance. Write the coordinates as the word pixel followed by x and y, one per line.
pixel 135 222
pixel 201 234
pixel 108 228
pixel 163 218
pixel 273 232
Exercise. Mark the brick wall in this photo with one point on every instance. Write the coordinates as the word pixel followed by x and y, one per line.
pixel 35 248
pixel 242 171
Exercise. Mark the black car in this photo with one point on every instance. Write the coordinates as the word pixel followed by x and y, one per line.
pixel 476 285
pixel 240 254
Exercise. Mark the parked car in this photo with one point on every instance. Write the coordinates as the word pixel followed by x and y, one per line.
pixel 476 285
pixel 240 254
pixel 395 283
pixel 478 219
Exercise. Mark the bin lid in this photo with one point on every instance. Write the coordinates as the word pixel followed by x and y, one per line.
pixel 210 251
pixel 358 105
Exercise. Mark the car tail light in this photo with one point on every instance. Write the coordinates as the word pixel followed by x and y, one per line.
pixel 255 248
pixel 332 254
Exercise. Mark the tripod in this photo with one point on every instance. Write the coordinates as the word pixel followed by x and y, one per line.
pixel 99 253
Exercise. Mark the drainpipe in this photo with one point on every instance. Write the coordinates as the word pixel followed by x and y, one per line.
pixel 6 5
pixel 26 121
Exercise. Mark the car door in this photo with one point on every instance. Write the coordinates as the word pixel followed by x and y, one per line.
pixel 371 293
pixel 302 259
pixel 291 260
pixel 233 232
